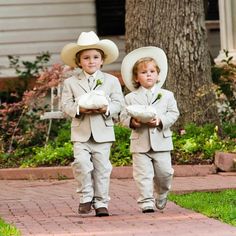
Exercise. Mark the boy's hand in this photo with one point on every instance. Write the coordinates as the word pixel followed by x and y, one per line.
pixel 154 122
pixel 134 123
pixel 84 111
pixel 101 110
pixel 93 111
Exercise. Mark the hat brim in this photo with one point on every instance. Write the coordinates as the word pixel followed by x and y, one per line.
pixel 69 51
pixel 130 59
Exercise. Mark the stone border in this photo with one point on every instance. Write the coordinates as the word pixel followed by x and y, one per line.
pixel 124 172
pixel 225 161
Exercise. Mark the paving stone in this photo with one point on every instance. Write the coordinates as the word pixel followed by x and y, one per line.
pixel 49 208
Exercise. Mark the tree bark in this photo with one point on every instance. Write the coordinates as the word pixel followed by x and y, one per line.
pixel 178 27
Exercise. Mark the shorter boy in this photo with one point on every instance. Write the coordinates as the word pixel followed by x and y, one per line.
pixel 144 71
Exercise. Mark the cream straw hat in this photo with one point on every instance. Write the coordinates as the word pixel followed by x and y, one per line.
pixel 89 40
pixel 130 59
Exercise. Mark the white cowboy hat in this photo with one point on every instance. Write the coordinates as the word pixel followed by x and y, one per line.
pixel 89 40
pixel 130 59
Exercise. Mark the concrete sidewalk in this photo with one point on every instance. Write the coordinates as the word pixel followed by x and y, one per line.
pixel 49 207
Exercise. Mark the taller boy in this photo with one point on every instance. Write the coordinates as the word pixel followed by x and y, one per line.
pixel 92 130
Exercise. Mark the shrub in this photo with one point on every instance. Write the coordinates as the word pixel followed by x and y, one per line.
pixel 60 151
pixel 26 71
pixel 21 126
pixel 120 154
pixel 50 156
pixel 198 144
pixel 193 145
pixel 224 76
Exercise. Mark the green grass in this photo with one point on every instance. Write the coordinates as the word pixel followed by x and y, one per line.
pixel 8 230
pixel 219 205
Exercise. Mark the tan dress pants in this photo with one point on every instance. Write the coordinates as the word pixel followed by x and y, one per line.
pixel 153 173
pixel 92 170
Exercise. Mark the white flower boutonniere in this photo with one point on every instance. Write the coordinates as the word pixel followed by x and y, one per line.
pixel 98 82
pixel 158 97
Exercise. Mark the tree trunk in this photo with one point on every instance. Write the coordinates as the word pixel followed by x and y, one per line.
pixel 178 27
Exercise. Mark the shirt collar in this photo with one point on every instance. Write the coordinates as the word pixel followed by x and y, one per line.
pixel 152 89
pixel 88 75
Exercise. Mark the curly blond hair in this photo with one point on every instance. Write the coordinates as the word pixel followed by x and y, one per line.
pixel 144 61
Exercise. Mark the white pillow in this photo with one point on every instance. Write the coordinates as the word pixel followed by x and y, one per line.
pixel 93 100
pixel 143 113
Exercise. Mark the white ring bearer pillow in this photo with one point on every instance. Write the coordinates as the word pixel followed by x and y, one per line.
pixel 93 100
pixel 143 113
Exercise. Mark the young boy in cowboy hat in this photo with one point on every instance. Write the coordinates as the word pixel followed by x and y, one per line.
pixel 92 130
pixel 144 71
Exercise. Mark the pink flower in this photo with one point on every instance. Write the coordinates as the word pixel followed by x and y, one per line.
pixel 182 132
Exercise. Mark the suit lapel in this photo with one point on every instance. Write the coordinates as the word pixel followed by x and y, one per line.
pixel 140 96
pixel 83 83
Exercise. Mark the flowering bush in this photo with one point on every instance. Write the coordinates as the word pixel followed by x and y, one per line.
pixel 224 77
pixel 20 123
pixel 26 71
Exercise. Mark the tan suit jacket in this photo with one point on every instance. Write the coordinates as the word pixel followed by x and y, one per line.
pixel 144 138
pixel 100 126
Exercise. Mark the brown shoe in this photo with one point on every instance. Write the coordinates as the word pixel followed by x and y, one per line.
pixel 102 211
pixel 85 208
pixel 148 210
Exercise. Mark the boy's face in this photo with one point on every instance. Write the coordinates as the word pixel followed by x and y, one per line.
pixel 147 75
pixel 90 60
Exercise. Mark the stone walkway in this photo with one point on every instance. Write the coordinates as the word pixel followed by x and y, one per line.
pixel 49 207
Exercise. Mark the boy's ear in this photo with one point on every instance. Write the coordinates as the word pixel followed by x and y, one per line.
pixel 77 62
pixel 102 63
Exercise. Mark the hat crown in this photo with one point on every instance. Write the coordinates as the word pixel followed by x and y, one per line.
pixel 87 38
